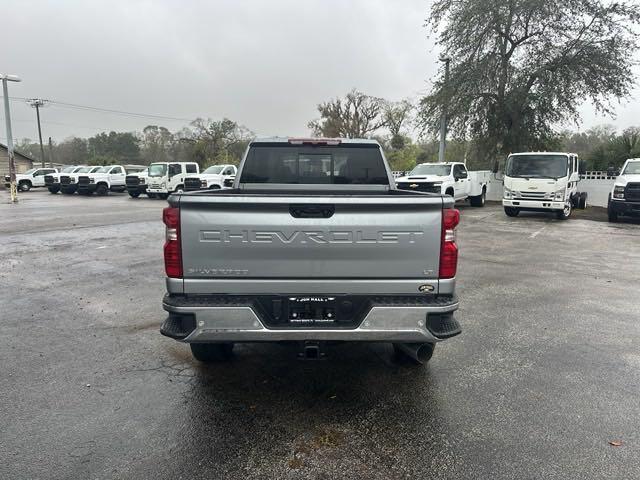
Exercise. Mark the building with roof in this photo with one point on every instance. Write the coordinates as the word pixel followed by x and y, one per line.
pixel 23 162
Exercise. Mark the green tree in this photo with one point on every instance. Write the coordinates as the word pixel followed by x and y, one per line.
pixel 157 144
pixel 71 151
pixel 222 141
pixel 121 147
pixel 519 67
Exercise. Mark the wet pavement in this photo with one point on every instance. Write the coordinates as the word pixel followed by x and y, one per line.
pixel 545 375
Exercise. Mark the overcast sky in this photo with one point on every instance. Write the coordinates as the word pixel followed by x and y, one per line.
pixel 263 63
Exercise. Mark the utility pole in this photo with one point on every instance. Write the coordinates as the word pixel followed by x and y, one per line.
pixel 37 103
pixel 443 119
pixel 7 117
pixel 50 153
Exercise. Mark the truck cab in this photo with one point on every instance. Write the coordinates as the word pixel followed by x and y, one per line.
pixel 624 198
pixel 542 182
pixel 165 178
pixel 30 179
pixel 137 183
pixel 212 177
pixel 451 179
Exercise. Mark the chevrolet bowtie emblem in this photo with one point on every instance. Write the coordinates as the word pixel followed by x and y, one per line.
pixel 414 185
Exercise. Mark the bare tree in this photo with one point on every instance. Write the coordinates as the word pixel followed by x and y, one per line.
pixel 357 115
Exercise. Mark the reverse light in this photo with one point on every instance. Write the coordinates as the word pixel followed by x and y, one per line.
pixel 618 192
pixel 172 248
pixel 449 248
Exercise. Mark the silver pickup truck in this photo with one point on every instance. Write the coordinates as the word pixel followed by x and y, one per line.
pixel 313 244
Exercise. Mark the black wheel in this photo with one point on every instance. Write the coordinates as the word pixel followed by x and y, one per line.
pixel 478 201
pixel 511 212
pixel 214 187
pixel 426 352
pixel 211 352
pixel 134 194
pixel 53 190
pixel 102 189
pixel 582 201
pixel 613 215
pixel 151 195
pixel 24 186
pixel 163 196
pixel 565 213
pixel 179 189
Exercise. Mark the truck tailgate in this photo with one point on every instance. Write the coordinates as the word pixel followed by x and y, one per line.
pixel 238 236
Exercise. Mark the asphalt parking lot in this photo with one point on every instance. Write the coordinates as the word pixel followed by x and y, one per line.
pixel 545 375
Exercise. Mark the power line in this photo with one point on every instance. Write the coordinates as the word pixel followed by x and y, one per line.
pixel 75 106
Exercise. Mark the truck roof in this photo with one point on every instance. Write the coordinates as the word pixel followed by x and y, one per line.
pixel 544 153
pixel 286 140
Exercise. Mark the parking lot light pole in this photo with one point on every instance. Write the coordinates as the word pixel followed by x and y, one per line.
pixel 443 119
pixel 7 117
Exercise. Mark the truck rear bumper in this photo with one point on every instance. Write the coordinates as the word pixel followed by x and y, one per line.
pixel 216 318
pixel 533 204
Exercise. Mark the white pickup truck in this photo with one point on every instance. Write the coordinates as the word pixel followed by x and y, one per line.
pixel 451 179
pixel 30 179
pixel 165 178
pixel 52 180
pixel 212 178
pixel 69 181
pixel 110 178
pixel 624 198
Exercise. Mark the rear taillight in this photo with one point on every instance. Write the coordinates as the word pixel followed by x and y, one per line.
pixel 449 249
pixel 172 251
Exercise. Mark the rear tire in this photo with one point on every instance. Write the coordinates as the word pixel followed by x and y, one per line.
pixel 211 352
pixel 582 202
pixel 478 201
pixel 53 190
pixel 613 215
pixel 511 212
pixel 134 194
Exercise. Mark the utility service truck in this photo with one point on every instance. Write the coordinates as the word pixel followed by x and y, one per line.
pixel 52 180
pixel 314 244
pixel 212 177
pixel 451 179
pixel 542 182
pixel 624 198
pixel 30 179
pixel 165 178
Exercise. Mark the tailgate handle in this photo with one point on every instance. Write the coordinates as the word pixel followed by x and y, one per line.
pixel 312 211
